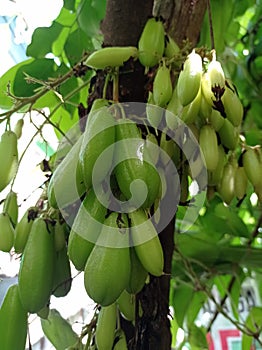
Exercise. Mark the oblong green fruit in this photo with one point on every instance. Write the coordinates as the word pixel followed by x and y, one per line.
pixel 85 230
pixel 13 321
pixel 60 235
pixel 216 119
pixel 138 274
pixel 146 242
pixel 226 187
pixel 23 228
pixel 189 80
pixel 6 233
pixel 36 274
pixel 136 165
pixel 253 165
pixel 189 112
pixel 18 128
pixel 58 330
pixel 120 340
pixel 111 57
pixel 241 182
pixel 171 47
pixel 99 135
pixel 214 177
pixel 8 158
pixel 107 269
pixel 154 113
pixel 62 274
pixel 105 327
pixel 66 184
pixel 228 135
pixel 127 305
pixel 233 107
pixel 209 146
pixel 162 86
pixel 11 207
pixel 151 43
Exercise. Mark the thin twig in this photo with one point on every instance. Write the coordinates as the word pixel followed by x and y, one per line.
pixel 210 25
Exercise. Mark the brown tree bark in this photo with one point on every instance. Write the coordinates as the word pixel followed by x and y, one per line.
pixel 122 26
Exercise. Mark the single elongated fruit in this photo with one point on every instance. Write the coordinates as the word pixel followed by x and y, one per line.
pixel 99 135
pixel 107 268
pixel 111 57
pixel 66 184
pixel 162 86
pixel 105 328
pixel 8 158
pixel 154 113
pixel 59 235
pixel 228 135
pixel 18 128
pixel 62 274
pixel 146 242
pixel 6 233
pixel 253 165
pixel 37 267
pixel 85 230
pixel 120 340
pixel 138 274
pixel 189 79
pixel 215 176
pixel 13 321
pixel 240 182
pixel 11 207
pixel 151 44
pixel 233 107
pixel 216 119
pixel 213 81
pixel 171 47
pixel 226 187
pixel 189 113
pixel 135 172
pixel 58 330
pixel 23 228
pixel 127 305
pixel 209 146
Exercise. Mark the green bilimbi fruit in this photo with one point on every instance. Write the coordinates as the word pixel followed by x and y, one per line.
pixel 162 86
pixel 226 187
pixel 151 44
pixel 241 182
pixel 13 321
pixel 6 233
pixel 216 119
pixel 85 230
pixel 107 269
pixel 62 275
pixel 58 331
pixel 8 158
pixel 173 111
pixel 23 228
pixel 105 327
pixel 135 164
pixel 213 81
pixel 60 235
pixel 209 146
pixel 18 128
pixel 11 207
pixel 99 134
pixel 228 135
pixel 127 305
pixel 111 57
pixel 171 47
pixel 35 279
pixel 189 113
pixel 253 165
pixel 167 148
pixel 189 80
pixel 120 340
pixel 152 147
pixel 66 184
pixel 215 176
pixel 138 274
pixel 146 242
pixel 154 113
pixel 233 107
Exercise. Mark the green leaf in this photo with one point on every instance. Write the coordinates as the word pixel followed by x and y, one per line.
pixel 197 337
pixel 89 15
pixel 64 120
pixel 66 17
pixel 76 44
pixel 41 69
pixel 69 5
pixel 182 296
pixel 49 100
pixel 197 302
pixel 43 39
pixel 58 44
pixel 253 324
pixel 6 79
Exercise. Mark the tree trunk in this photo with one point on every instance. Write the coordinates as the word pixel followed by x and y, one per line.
pixel 122 26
